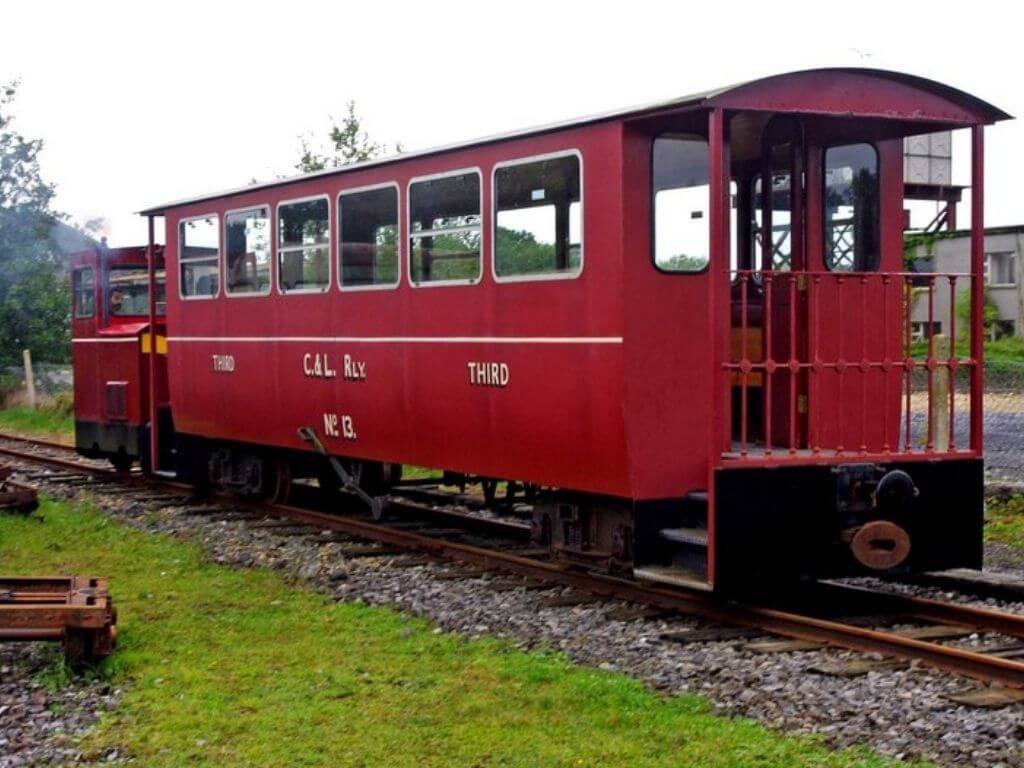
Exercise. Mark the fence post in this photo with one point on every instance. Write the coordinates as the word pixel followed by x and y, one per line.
pixel 30 381
pixel 940 396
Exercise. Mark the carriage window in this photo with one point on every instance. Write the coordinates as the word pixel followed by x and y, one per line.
pixel 247 251
pixel 368 237
pixel 198 254
pixel 538 218
pixel 444 227
pixel 682 196
pixel 851 208
pixel 84 289
pixel 303 260
pixel 129 291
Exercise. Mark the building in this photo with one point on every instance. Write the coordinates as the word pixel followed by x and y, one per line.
pixel 950 252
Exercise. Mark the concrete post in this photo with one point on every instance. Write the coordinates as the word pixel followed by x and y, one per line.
pixel 940 396
pixel 30 381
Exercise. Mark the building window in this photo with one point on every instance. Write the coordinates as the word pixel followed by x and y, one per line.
pixel 303 250
pixel 682 196
pixel 444 229
pixel 198 257
pixel 851 208
pixel 368 237
pixel 129 291
pixel 919 330
pixel 247 251
pixel 538 218
pixel 84 288
pixel 1000 269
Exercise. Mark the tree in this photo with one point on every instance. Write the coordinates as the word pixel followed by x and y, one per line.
pixel 349 143
pixel 34 291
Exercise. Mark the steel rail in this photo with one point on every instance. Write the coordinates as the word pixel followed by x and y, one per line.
pixel 984 619
pixel 784 623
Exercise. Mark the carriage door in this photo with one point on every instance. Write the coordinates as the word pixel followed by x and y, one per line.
pixel 779 251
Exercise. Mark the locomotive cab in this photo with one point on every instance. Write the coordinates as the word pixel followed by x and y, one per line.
pixel 111 347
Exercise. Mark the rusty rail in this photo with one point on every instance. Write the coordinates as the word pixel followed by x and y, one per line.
pixel 74 610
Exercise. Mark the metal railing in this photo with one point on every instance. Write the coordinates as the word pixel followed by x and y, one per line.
pixel 826 364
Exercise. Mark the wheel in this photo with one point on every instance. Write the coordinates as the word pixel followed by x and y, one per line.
pixel 277 485
pixel 121 462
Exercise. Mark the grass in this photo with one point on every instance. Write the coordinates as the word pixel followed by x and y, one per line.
pixel 54 422
pixel 1004 520
pixel 231 667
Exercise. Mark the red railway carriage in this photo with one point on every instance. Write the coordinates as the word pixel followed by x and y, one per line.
pixel 110 321
pixel 684 326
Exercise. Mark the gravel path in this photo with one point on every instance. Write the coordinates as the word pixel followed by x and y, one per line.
pixel 898 712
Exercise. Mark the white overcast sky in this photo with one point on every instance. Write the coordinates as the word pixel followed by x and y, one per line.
pixel 140 103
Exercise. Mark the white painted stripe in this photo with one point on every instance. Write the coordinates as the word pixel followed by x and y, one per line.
pixel 401 339
pixel 117 340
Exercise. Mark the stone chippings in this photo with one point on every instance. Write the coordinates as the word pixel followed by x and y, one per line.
pixel 902 713
pixel 39 726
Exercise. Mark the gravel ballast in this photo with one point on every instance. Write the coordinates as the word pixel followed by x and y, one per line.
pixel 900 712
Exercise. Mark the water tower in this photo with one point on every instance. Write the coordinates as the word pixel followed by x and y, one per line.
pixel 928 175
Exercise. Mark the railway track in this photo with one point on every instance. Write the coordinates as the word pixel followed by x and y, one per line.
pixel 415 529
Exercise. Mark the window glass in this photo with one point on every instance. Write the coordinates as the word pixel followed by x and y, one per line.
pixel 782 244
pixel 128 292
pixel 84 290
pixel 368 237
pixel 303 260
pixel 247 251
pixel 851 208
pixel 682 195
pixel 198 255
pixel 444 216
pixel 538 218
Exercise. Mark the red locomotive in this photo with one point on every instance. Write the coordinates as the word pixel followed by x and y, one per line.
pixel 685 326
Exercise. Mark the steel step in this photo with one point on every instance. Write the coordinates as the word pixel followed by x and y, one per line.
pixel 677 577
pixel 697 537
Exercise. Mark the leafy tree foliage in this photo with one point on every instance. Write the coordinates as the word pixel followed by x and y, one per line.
pixel 34 291
pixel 349 143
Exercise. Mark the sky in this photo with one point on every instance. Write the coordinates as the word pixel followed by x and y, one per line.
pixel 140 103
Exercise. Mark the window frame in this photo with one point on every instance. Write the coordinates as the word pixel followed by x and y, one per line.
pixel 544 276
pixel 276 224
pixel 409 233
pixel 142 268
pixel 181 244
pixel 989 255
pixel 826 246
pixel 398 244
pixel 273 252
pixel 75 292
pixel 650 190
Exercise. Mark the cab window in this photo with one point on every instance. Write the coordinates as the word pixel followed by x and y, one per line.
pixel 851 208
pixel 128 292
pixel 84 289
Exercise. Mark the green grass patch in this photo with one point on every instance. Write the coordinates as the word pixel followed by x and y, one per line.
pixel 1004 520
pixel 230 667
pixel 53 422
